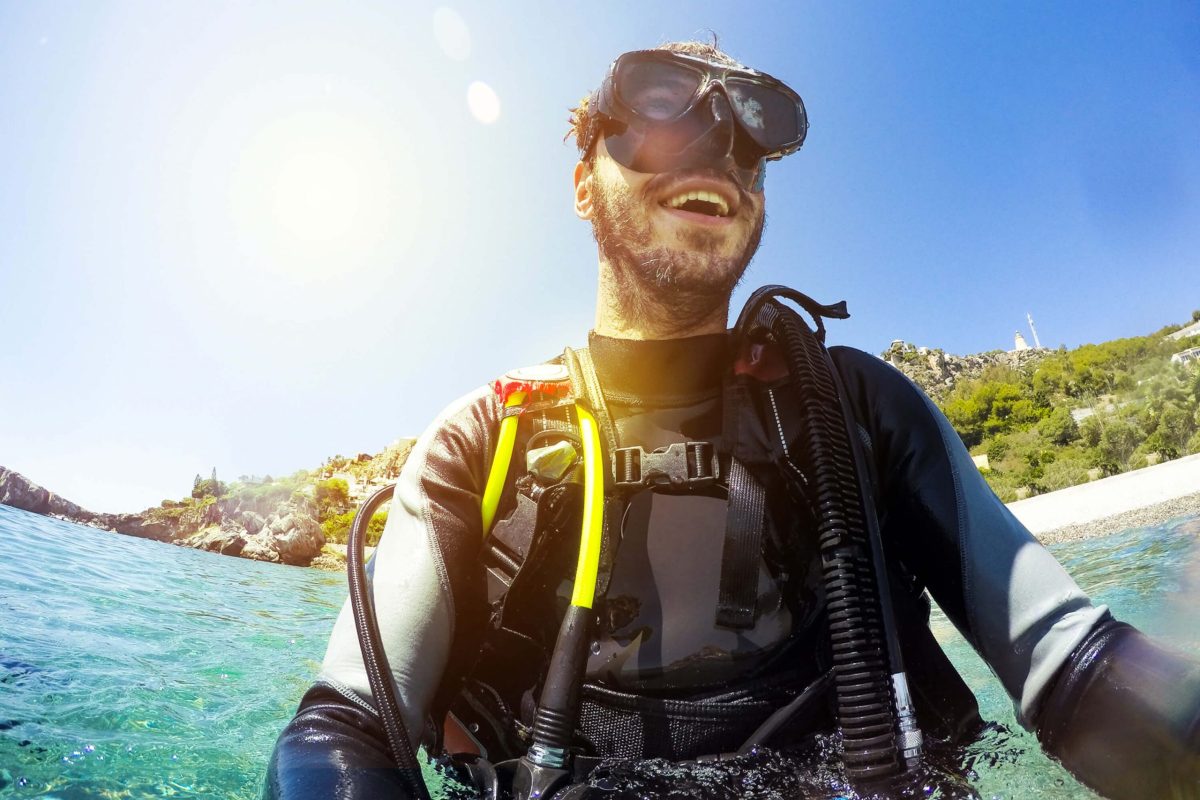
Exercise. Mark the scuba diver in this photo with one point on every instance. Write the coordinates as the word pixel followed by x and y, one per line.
pixel 686 541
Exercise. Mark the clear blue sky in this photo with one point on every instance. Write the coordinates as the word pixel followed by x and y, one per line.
pixel 251 236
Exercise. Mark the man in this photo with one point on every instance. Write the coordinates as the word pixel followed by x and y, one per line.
pixel 714 611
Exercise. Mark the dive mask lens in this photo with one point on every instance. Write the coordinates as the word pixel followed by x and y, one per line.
pixel 660 86
pixel 769 116
pixel 658 91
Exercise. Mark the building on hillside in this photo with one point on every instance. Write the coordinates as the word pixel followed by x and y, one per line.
pixel 1185 331
pixel 1019 342
pixel 1189 356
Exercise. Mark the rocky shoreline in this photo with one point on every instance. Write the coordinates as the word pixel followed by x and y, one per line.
pixel 278 532
pixel 1143 497
pixel 287 532
pixel 1147 516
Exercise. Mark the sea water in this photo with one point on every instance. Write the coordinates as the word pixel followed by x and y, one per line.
pixel 131 668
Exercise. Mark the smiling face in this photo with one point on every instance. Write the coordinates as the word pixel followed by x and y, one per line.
pixel 687 236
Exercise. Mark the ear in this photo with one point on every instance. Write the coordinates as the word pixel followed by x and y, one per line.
pixel 583 190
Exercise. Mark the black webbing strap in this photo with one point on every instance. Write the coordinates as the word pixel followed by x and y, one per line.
pixel 740 557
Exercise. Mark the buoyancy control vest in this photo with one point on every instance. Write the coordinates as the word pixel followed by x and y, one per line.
pixel 787 586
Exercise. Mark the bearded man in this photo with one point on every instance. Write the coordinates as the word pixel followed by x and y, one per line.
pixel 759 523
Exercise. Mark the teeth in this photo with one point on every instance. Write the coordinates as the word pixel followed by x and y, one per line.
pixel 708 197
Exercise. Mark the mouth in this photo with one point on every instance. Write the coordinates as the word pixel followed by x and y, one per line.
pixel 703 199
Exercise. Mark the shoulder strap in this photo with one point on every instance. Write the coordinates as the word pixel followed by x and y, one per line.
pixel 585 383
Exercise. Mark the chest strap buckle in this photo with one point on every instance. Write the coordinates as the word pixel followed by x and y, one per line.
pixel 683 465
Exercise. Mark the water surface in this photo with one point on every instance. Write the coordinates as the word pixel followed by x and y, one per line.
pixel 131 668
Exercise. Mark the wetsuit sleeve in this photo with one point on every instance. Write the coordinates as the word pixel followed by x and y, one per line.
pixel 427 584
pixel 1069 667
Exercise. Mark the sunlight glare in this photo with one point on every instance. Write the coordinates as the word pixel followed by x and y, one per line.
pixel 316 194
pixel 319 190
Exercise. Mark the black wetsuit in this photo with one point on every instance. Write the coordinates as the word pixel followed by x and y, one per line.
pixel 1121 713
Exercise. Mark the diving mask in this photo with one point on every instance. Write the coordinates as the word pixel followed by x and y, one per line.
pixel 662 111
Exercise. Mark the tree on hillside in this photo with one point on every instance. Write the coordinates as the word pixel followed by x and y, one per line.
pixel 1196 315
pixel 1054 378
pixel 332 496
pixel 1175 427
pixel 1059 426
pixel 1091 430
pixel 998 402
pixel 209 487
pixel 1118 440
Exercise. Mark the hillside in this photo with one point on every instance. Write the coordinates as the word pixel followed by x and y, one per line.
pixel 1041 420
pixel 283 520
pixel 1036 420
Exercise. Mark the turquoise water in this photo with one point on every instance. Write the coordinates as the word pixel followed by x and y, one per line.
pixel 130 668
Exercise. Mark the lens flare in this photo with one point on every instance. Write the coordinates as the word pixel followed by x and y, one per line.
pixel 483 102
pixel 451 33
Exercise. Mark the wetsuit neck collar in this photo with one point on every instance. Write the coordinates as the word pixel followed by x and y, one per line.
pixel 661 368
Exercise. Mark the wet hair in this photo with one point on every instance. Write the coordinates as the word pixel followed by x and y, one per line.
pixel 581 119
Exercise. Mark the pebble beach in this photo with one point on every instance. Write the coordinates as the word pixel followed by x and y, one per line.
pixel 1144 497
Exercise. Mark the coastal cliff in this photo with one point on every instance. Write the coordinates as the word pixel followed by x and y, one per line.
pixel 286 521
pixel 19 492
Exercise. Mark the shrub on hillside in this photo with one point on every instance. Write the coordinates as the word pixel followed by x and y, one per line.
pixel 337 528
pixel 1119 438
pixel 1059 426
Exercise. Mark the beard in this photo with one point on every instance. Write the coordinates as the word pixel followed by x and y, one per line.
pixel 675 284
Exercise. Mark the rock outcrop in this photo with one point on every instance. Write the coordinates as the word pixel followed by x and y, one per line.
pixel 937 371
pixel 290 535
pixel 283 532
pixel 19 492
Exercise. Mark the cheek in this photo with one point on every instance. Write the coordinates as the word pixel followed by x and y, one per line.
pixel 758 209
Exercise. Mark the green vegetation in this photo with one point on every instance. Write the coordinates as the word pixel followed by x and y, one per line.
pixel 1076 415
pixel 337 528
pixel 332 496
pixel 187 515
pixel 334 512
pixel 207 487
pixel 327 494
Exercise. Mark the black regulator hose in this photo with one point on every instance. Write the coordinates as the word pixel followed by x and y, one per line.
pixel 379 672
pixel 878 728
